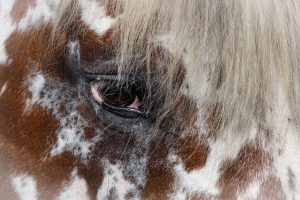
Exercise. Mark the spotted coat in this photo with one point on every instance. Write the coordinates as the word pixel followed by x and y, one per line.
pixel 53 145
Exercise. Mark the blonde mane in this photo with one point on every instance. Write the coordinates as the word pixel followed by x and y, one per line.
pixel 247 50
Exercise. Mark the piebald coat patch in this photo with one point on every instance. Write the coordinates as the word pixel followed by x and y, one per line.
pixel 96 164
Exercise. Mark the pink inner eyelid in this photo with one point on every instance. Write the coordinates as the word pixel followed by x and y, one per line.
pixel 98 97
pixel 135 104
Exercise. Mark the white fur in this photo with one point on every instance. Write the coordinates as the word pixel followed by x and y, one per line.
pixel 25 187
pixel 205 180
pixel 73 47
pixel 198 84
pixel 290 147
pixel 6 27
pixel 114 180
pixel 95 17
pixel 41 13
pixel 69 140
pixel 70 134
pixel 36 85
pixel 76 189
pixel 3 89
pixel 251 192
pixel 287 141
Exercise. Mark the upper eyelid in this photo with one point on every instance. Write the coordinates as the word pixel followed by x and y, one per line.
pixel 101 70
pixel 98 77
pixel 110 77
pixel 74 61
pixel 100 67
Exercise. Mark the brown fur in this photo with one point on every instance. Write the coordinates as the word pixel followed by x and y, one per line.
pixel 193 154
pixel 20 9
pixel 240 172
pixel 28 135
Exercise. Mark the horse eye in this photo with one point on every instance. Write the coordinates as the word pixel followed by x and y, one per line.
pixel 122 100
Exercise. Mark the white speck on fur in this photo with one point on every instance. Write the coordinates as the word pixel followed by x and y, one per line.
pixel 251 192
pixel 73 46
pixel 9 61
pixel 114 181
pixel 3 89
pixel 94 15
pixel 37 86
pixel 6 27
pixel 76 189
pixel 71 139
pixel 25 187
pixel 37 82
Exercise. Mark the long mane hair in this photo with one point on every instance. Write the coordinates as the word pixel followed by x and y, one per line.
pixel 242 56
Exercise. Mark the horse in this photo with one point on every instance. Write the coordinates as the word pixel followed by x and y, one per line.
pixel 137 99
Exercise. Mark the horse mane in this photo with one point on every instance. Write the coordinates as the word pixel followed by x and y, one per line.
pixel 247 52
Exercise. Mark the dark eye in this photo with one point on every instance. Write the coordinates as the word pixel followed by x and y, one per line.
pixel 123 99
pixel 115 95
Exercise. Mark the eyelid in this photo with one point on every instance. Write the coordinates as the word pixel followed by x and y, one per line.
pixel 113 78
pixel 124 112
pixel 131 111
pixel 94 77
pixel 128 112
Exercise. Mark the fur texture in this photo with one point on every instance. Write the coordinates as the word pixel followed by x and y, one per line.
pixel 243 50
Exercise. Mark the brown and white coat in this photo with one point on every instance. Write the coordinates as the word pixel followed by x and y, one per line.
pixel 55 143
